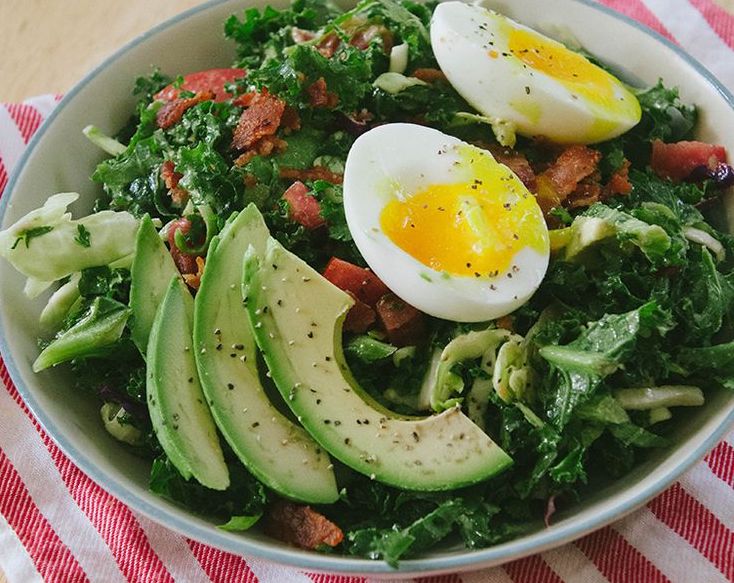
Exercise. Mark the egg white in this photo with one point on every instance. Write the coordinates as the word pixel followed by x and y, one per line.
pixel 505 88
pixel 398 160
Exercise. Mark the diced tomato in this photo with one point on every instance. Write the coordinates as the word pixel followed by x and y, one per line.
pixel 360 316
pixel 361 282
pixel 676 161
pixel 300 525
pixel 303 208
pixel 184 262
pixel 362 38
pixel 404 324
pixel 213 80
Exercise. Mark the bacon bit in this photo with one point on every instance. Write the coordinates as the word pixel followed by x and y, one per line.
pixel 263 147
pixel 518 163
pixel 319 96
pixel 619 182
pixel 184 262
pixel 300 36
pixel 429 75
pixel 360 316
pixel 587 193
pixel 245 100
pixel 172 111
pixel 404 324
pixel 301 526
pixel 169 175
pixel 573 165
pixel 362 38
pixel 244 159
pixel 562 177
pixel 302 207
pixel 193 280
pixel 171 178
pixel 290 120
pixel 505 322
pixel 315 173
pixel 261 119
pixel 328 45
pixel 250 180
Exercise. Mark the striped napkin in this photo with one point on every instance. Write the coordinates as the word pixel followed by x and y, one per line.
pixel 58 525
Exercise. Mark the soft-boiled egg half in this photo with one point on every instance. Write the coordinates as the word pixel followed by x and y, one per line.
pixel 448 229
pixel 514 74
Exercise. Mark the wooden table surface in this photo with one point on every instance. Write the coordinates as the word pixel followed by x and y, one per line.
pixel 47 45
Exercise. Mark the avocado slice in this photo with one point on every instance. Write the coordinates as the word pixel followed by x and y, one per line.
pixel 150 274
pixel 297 318
pixel 178 412
pixel 276 450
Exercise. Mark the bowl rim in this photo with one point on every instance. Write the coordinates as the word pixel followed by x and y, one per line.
pixel 462 560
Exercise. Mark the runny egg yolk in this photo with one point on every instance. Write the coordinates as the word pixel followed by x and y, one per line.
pixel 599 89
pixel 470 228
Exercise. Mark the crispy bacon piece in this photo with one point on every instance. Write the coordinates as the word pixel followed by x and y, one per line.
pixel 245 99
pixel 172 111
pixel 506 322
pixel 429 75
pixel 290 120
pixel 319 96
pixel 516 162
pixel 315 173
pixel 193 280
pixel 302 207
pixel 562 177
pixel 184 262
pixel 260 119
pixel 587 193
pixel 619 182
pixel 404 324
pixel 360 316
pixel 171 178
pixel 264 147
pixel 361 282
pixel 301 526
pixel 573 165
pixel 677 161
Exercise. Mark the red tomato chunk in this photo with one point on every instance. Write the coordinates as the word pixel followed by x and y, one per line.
pixel 677 161
pixel 404 324
pixel 360 317
pixel 302 207
pixel 212 80
pixel 361 282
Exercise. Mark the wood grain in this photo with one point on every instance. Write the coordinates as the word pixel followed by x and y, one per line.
pixel 47 45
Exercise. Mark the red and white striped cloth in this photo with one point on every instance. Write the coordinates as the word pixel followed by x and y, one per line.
pixel 58 525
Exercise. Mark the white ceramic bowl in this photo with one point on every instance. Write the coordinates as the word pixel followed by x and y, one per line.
pixel 61 159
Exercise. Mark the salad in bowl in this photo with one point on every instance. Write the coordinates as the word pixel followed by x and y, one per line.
pixel 403 275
